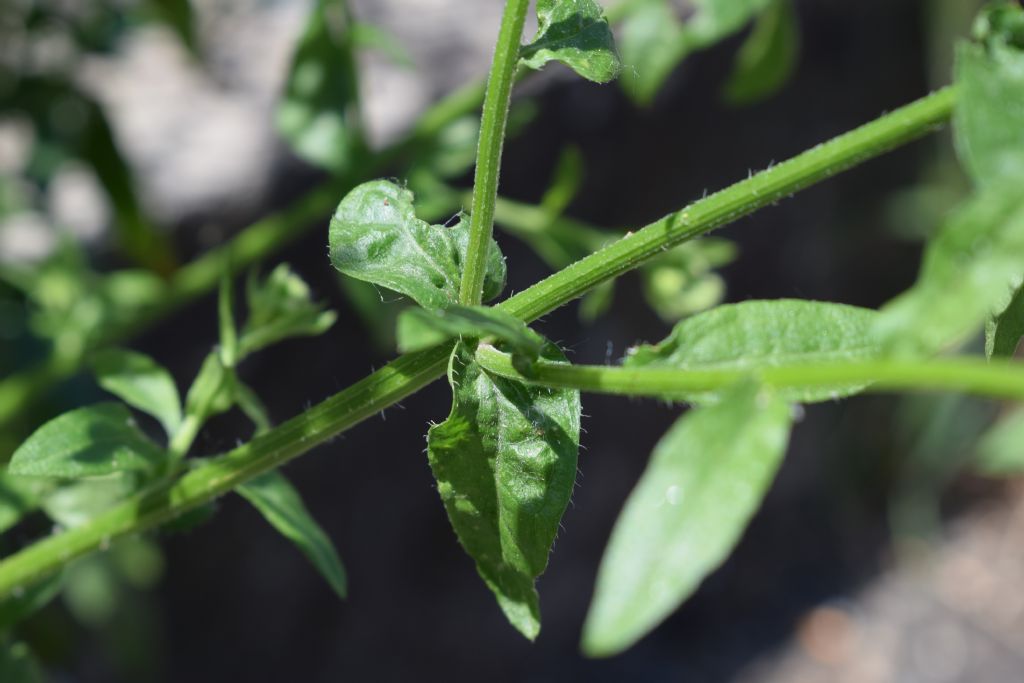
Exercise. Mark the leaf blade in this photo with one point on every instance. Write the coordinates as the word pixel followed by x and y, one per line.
pixel 576 33
pixel 141 382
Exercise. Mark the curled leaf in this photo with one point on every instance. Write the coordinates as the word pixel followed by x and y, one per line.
pixel 420 329
pixel 575 33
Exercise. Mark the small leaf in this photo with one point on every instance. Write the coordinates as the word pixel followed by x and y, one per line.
pixel 758 334
pixel 79 502
pixel 989 114
pixel 376 237
pixel 705 480
pixel 768 57
pixel 29 600
pixel 1000 450
pixel 281 307
pixel 575 33
pixel 505 464
pixel 213 390
pixel 681 281
pixel 319 113
pixel 93 441
pixel 420 329
pixel 280 504
pixel 968 274
pixel 140 382
pixel 1004 332
pixel 228 333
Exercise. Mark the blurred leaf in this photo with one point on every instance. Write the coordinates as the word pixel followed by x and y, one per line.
pixel 680 282
pixel 968 274
pixel 140 382
pixel 93 441
pixel 1004 332
pixel 26 601
pixel 989 114
pixel 177 14
pixel 319 113
pixel 597 301
pixel 280 307
pixel 18 497
pixel 654 40
pixel 565 182
pixel 91 591
pixel 375 236
pixel 280 504
pixel 19 665
pixel 575 33
pixel 250 404
pixel 227 332
pixel 77 503
pixel 759 334
pixel 505 463
pixel 420 329
pixel 370 37
pixel 212 392
pixel 705 480
pixel 138 560
pixel 379 321
pixel 768 57
pixel 1000 451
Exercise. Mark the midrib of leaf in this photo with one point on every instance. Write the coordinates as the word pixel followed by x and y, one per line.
pixel 407 374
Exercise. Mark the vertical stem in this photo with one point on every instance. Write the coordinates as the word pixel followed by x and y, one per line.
pixel 488 154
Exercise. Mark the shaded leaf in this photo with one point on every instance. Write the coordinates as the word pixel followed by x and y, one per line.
pixel 375 236
pixel 1004 332
pixel 1000 450
pixel 758 334
pixel 575 33
pixel 768 57
pixel 18 497
pixel 213 390
pixel 93 441
pixel 318 113
pixel 420 329
pixel 681 281
pixel 705 480
pixel 77 503
pixel 505 464
pixel 19 665
pixel 280 504
pixel 968 274
pixel 140 382
pixel 989 114
pixel 281 307
pixel 25 602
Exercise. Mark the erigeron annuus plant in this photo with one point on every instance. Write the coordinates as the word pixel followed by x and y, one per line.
pixel 505 458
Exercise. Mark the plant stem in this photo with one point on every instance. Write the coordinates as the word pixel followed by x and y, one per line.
pixel 411 372
pixel 488 153
pixel 968 375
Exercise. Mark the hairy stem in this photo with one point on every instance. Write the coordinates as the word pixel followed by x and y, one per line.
pixel 488 153
pixel 967 375
pixel 411 372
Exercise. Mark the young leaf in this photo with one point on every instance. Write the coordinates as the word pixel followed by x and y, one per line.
pixel 505 464
pixel 281 307
pixel 705 481
pixel 140 382
pixel 319 113
pixel 989 114
pixel 213 390
pixel 375 236
pixel 682 281
pixel 1001 449
pixel 767 58
pixel 89 442
pixel 420 329
pixel 575 33
pixel 280 504
pixel 968 274
pixel 1004 332
pixel 757 334
pixel 229 353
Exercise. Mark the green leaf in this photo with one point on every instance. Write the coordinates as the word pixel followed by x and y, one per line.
pixel 280 504
pixel 79 502
pixel 228 333
pixel 705 480
pixel 376 237
pixel 1000 450
pixel 681 281
pixel 319 113
pixel 281 307
pixel 768 57
pixel 575 33
pixel 1004 332
pixel 420 329
pixel 968 274
pixel 505 464
pixel 989 114
pixel 19 665
pixel 27 601
pixel 759 334
pixel 654 41
pixel 213 390
pixel 18 497
pixel 93 441
pixel 140 382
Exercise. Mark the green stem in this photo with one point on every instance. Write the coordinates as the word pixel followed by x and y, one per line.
pixel 967 375
pixel 411 372
pixel 488 153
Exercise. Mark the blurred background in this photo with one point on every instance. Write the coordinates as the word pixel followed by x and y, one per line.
pixel 136 137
